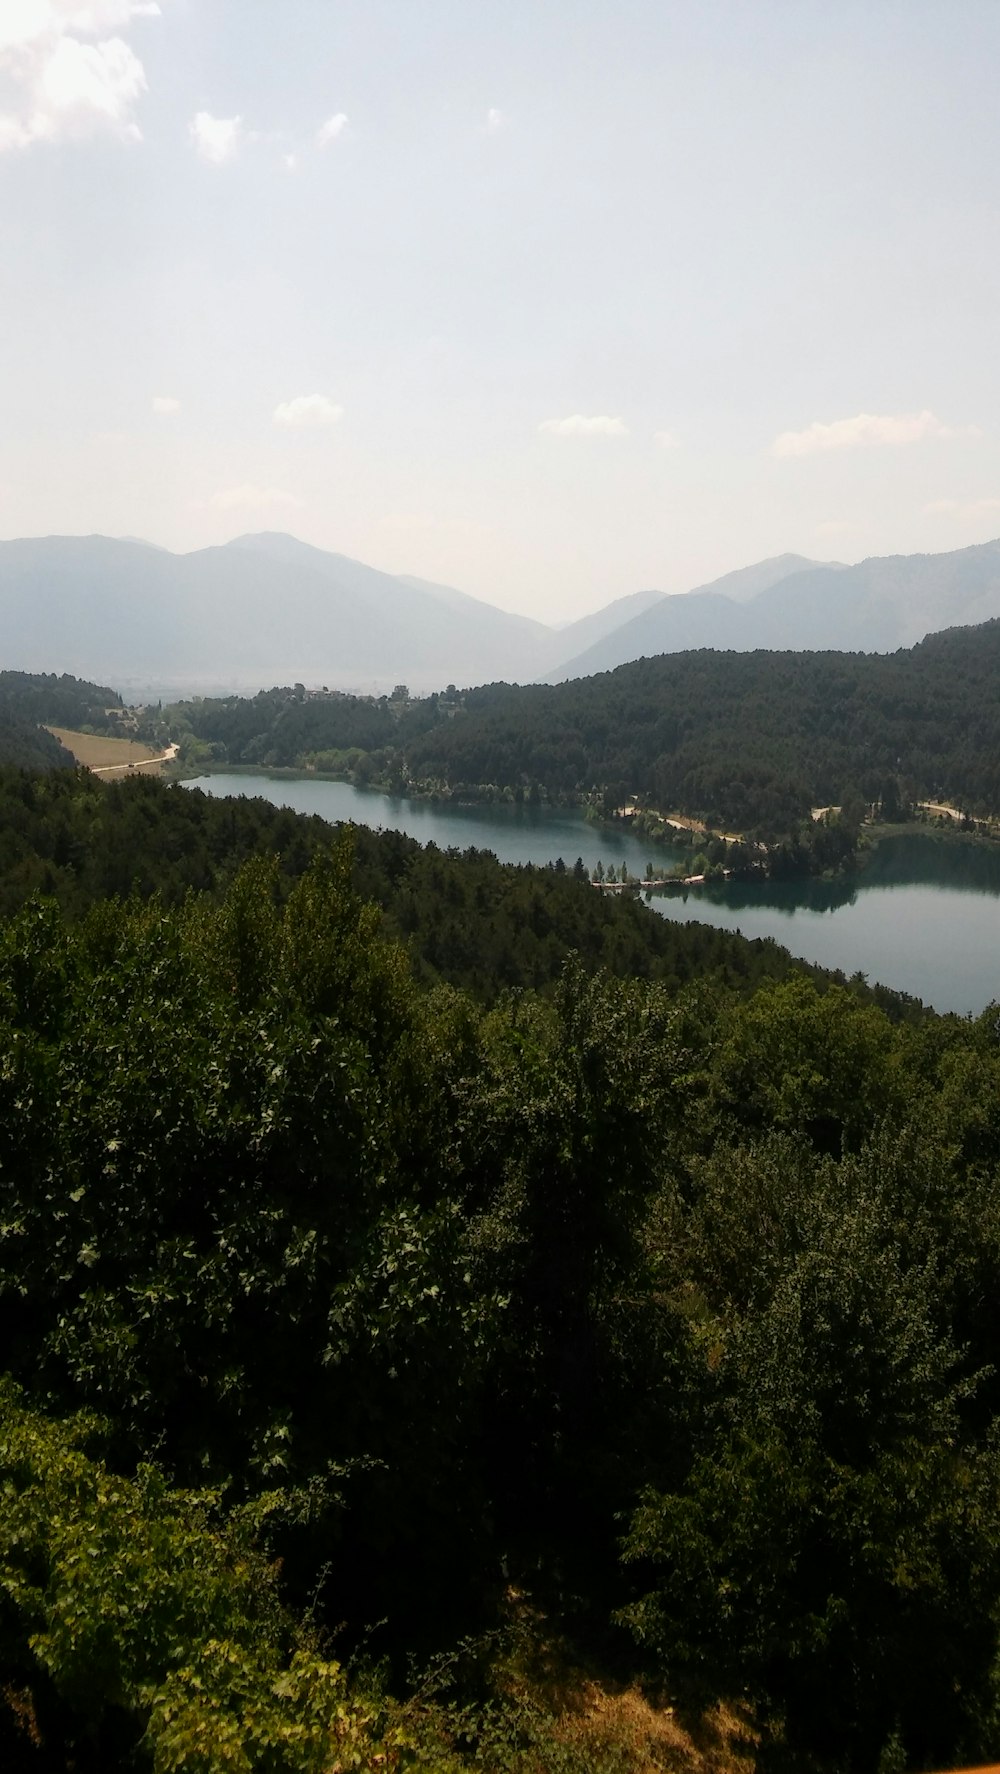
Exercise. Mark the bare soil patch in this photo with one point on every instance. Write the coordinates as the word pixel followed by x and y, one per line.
pixel 104 755
pixel 681 822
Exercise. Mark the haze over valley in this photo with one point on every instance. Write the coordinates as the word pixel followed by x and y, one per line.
pixel 267 608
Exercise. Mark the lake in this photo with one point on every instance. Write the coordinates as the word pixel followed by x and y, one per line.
pixel 923 917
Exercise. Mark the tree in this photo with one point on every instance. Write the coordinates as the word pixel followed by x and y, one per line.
pixel 833 1547
pixel 143 1624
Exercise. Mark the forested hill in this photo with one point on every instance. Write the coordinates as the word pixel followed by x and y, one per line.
pixel 25 744
pixel 645 1309
pixel 753 740
pixel 30 701
pixel 60 701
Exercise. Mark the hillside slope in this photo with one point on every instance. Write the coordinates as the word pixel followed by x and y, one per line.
pixel 259 609
pixel 883 603
pixel 752 740
pixel 268 608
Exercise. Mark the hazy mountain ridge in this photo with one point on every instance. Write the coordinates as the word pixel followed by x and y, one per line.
pixel 882 603
pixel 901 598
pixel 673 625
pixel 268 608
pixel 712 615
pixel 591 630
pixel 746 583
pixel 258 610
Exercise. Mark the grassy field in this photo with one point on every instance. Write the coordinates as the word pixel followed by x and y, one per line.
pixel 103 755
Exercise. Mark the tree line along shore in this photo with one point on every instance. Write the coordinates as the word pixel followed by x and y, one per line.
pixel 739 745
pixel 745 744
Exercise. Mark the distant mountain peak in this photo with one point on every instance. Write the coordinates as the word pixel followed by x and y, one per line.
pixel 744 584
pixel 280 544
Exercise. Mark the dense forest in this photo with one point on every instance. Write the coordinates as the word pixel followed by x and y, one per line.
pixel 25 743
pixel 399 1252
pixel 751 741
pixel 61 701
pixel 290 728
pixel 746 741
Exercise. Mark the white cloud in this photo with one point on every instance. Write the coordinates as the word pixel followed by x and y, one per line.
pixel 665 440
pixel 21 21
pixel 216 138
pixel 307 409
pixel 93 16
pixel 495 121
pixel 331 129
pixel 95 80
pixel 580 425
pixel 64 89
pixel 246 497
pixel 30 21
pixel 865 430
pixel 165 404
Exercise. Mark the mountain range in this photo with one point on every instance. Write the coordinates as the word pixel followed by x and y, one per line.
pixel 268 608
pixel 882 603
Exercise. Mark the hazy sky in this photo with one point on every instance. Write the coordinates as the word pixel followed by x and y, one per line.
pixel 548 299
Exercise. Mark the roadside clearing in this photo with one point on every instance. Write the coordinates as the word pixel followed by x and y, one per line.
pixel 682 823
pixel 109 757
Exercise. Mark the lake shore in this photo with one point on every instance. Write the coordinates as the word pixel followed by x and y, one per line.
pixel 675 830
pixel 922 916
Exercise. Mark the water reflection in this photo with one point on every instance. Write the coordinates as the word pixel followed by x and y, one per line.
pixel 809 894
pixel 922 917
pixel 920 859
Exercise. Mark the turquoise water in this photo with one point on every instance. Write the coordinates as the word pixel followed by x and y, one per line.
pixel 924 917
pixel 514 834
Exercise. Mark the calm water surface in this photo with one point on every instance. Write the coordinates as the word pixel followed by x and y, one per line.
pixel 924 917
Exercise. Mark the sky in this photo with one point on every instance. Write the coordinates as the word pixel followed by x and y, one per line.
pixel 552 300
